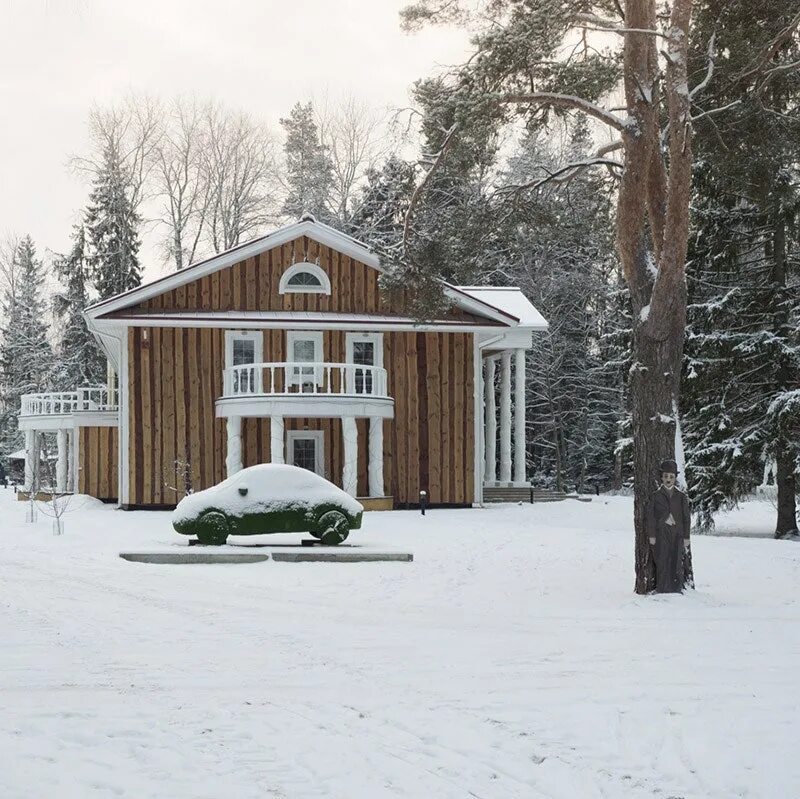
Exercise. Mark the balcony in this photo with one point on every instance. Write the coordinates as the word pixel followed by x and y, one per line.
pixel 54 410
pixel 305 389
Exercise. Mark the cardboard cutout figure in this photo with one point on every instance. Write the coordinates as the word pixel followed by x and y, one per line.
pixel 669 523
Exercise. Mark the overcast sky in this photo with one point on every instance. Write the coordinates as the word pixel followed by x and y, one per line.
pixel 58 57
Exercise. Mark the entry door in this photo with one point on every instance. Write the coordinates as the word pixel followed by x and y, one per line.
pixel 306 450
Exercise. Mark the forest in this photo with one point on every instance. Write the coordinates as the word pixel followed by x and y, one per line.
pixel 638 177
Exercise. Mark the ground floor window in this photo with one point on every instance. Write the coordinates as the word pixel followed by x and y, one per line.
pixel 306 449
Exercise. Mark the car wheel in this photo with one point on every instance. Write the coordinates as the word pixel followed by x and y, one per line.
pixel 333 527
pixel 213 528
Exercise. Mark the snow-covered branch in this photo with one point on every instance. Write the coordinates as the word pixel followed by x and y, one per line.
pixel 709 69
pixel 562 175
pixel 557 100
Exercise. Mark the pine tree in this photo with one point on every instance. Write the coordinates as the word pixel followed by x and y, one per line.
pixel 309 171
pixel 382 205
pixel 26 359
pixel 112 230
pixel 80 362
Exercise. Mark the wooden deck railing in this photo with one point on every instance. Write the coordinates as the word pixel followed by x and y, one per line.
pixel 301 377
pixel 58 403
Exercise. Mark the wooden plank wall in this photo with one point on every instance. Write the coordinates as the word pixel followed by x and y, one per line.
pixel 253 285
pixel 430 443
pixel 175 376
pixel 97 462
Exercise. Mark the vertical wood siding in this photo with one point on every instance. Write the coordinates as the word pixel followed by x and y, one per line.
pixel 97 462
pixel 253 284
pixel 175 377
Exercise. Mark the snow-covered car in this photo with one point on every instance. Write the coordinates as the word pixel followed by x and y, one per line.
pixel 269 498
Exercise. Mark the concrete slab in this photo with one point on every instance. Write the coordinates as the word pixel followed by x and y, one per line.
pixel 339 556
pixel 195 557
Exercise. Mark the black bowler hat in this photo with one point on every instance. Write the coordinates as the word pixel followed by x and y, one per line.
pixel 668 466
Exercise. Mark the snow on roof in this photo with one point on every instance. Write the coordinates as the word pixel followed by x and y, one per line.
pixel 510 300
pixel 19 455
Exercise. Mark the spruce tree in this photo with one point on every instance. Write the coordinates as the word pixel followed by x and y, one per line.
pixel 26 359
pixel 112 229
pixel 743 353
pixel 309 172
pixel 80 362
pixel 558 247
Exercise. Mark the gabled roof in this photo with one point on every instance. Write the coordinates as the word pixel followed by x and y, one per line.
pixel 307 226
pixel 481 301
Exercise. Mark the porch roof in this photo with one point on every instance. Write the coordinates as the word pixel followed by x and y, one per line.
pixel 510 300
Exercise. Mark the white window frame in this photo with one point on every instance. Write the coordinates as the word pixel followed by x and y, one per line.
pixel 350 339
pixel 317 271
pixel 319 449
pixel 292 336
pixel 255 336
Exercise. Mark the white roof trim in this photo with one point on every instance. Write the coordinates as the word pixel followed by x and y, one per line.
pixel 319 232
pixel 301 320
pixel 307 226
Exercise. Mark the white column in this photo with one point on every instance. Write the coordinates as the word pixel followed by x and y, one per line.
pixel 491 423
pixel 519 416
pixel 30 458
pixel 375 465
pixel 61 463
pixel 71 461
pixel 505 417
pixel 350 464
pixel 233 461
pixel 276 439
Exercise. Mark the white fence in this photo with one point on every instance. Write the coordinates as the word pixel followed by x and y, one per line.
pixel 302 377
pixel 89 398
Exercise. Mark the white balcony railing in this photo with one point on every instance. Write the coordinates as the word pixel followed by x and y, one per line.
pixel 301 377
pixel 90 398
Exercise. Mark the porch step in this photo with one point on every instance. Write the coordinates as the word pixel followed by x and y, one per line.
pixel 521 494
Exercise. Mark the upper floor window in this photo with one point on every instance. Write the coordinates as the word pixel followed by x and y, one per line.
pixel 244 349
pixel 304 278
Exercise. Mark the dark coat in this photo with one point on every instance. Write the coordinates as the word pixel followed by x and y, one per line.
pixel 670 538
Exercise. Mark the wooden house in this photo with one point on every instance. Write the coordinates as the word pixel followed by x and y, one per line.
pixel 284 349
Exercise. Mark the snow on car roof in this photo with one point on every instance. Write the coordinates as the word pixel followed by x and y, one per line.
pixel 268 484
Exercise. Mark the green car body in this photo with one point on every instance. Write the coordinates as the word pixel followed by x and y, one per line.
pixel 269 498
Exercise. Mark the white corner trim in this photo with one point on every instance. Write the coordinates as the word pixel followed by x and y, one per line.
pixel 313 269
pixel 478 420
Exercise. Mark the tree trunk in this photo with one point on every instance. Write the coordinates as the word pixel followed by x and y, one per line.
pixel 787 487
pixel 654 383
pixel 786 523
pixel 652 237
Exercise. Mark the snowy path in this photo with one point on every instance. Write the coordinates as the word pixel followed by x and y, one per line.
pixel 510 660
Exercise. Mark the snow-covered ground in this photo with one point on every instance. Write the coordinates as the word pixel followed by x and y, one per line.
pixel 511 659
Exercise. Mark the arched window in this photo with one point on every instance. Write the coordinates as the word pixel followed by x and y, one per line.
pixel 304 278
